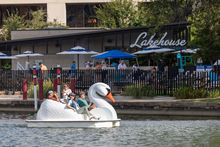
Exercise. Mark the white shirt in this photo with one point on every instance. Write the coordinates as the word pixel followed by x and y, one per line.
pixel 122 66
pixel 66 92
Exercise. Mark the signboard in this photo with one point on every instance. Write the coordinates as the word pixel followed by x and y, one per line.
pixel 142 41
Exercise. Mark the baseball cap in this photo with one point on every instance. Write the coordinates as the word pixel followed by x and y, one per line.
pixel 72 94
pixel 50 92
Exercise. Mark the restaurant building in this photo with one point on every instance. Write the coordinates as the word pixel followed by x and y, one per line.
pixel 80 17
pixel 51 41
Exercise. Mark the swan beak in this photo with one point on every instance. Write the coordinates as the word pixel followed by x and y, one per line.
pixel 110 97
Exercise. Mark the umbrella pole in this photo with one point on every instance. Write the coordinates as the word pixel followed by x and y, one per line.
pixel 77 61
pixel 27 63
pixel 137 61
pixel 109 62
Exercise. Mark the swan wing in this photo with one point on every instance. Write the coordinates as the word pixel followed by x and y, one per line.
pixel 52 110
pixel 102 113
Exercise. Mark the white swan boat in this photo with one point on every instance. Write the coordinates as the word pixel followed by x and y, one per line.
pixel 55 114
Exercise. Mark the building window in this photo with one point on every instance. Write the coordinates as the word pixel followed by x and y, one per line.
pixel 81 15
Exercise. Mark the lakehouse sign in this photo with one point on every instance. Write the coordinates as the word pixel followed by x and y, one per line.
pixel 142 41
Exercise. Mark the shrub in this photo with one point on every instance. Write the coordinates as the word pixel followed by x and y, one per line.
pixel 139 91
pixel 190 93
pixel 213 94
pixel 47 85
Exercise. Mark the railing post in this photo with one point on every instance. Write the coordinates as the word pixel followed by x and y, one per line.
pixel 24 89
pixel 55 85
pixel 58 72
pixel 35 87
pixel 73 85
pixel 41 89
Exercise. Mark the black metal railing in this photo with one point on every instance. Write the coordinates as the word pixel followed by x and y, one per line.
pixel 163 83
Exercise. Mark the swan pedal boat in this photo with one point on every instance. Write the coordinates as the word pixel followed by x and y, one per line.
pixel 55 114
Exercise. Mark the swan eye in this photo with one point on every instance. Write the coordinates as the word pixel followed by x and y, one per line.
pixel 108 90
pixel 99 94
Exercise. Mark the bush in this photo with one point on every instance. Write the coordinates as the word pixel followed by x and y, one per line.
pixel 47 85
pixel 139 91
pixel 213 94
pixel 190 93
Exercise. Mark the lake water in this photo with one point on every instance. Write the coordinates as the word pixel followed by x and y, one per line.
pixel 155 133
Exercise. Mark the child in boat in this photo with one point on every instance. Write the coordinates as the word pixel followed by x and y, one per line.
pixel 65 93
pixel 72 104
pixel 52 95
pixel 84 107
pixel 83 103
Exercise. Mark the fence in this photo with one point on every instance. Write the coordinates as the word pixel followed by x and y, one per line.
pixel 163 83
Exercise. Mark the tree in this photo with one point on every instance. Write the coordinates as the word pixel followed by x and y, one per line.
pixel 117 14
pixel 127 13
pixel 205 24
pixel 14 21
pixel 11 23
pixel 38 20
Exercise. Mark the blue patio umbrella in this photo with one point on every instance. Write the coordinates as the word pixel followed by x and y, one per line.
pixel 113 54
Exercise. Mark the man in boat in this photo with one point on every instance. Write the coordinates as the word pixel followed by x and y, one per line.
pixel 52 95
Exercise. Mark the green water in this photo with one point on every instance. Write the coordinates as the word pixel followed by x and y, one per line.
pixel 152 133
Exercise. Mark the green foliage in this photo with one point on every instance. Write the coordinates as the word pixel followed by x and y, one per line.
pixel 13 22
pixel 139 91
pixel 190 93
pixel 117 14
pixel 38 20
pixel 128 13
pixel 214 93
pixel 47 86
pixel 55 24
pixel 205 29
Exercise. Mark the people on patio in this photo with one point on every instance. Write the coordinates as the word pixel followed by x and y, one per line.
pixel 98 65
pixel 213 75
pixel 44 70
pixel 73 68
pixel 122 65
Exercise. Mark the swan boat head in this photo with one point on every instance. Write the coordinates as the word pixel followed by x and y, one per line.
pixel 97 94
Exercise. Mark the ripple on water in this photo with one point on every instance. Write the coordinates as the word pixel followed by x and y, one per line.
pixel 13 132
